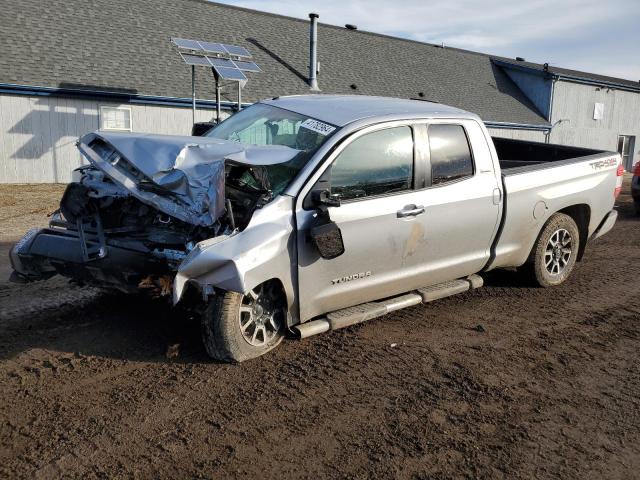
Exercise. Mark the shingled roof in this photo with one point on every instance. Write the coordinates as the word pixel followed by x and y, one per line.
pixel 123 46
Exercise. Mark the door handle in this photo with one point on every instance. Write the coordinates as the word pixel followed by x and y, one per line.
pixel 497 196
pixel 410 211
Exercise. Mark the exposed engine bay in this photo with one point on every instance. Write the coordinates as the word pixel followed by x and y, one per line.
pixel 129 224
pixel 162 213
pixel 96 199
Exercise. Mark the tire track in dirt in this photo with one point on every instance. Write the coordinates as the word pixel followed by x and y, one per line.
pixel 549 390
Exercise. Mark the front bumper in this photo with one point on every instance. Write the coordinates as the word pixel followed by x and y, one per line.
pixel 42 253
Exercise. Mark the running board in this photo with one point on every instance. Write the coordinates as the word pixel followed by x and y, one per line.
pixel 366 311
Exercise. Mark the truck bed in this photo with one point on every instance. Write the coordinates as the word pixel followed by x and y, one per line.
pixel 517 156
pixel 539 179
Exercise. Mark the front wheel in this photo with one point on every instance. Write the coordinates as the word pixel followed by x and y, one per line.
pixel 237 327
pixel 555 253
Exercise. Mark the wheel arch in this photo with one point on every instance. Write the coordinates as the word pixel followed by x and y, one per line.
pixel 581 214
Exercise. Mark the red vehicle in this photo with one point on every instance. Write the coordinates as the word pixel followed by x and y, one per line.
pixel 635 187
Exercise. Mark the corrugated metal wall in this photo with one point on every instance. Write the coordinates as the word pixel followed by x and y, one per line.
pixel 576 102
pixel 531 135
pixel 38 134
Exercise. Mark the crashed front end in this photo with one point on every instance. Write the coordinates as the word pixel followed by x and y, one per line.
pixel 129 219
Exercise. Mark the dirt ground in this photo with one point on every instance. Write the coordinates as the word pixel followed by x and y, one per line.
pixel 549 389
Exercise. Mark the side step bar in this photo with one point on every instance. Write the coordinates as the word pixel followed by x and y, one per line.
pixel 366 311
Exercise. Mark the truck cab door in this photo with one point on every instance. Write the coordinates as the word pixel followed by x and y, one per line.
pixel 373 174
pixel 462 202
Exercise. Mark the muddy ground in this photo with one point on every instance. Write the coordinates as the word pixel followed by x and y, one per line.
pixel 549 389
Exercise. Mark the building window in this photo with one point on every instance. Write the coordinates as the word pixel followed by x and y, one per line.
pixel 625 148
pixel 115 118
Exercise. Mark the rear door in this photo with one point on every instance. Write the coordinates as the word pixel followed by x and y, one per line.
pixel 462 203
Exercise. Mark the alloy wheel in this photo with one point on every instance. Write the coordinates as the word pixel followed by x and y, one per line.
pixel 261 315
pixel 558 251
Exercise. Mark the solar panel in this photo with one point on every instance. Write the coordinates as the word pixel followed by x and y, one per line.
pixel 225 68
pixel 221 62
pixel 212 47
pixel 237 51
pixel 247 66
pixel 230 73
pixel 183 43
pixel 195 60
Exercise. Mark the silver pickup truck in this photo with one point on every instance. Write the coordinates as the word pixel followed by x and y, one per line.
pixel 305 214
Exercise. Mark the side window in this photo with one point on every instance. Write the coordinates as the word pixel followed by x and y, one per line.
pixel 450 153
pixel 374 164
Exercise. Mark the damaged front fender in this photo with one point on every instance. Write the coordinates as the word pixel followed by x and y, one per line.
pixel 264 251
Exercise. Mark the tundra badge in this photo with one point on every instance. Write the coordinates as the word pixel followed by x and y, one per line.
pixel 348 278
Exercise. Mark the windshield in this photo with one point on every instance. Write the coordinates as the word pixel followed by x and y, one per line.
pixel 262 124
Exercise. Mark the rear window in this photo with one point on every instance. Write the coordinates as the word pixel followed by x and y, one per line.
pixel 450 153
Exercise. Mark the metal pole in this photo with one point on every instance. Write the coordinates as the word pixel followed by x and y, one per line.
pixel 217 99
pixel 313 52
pixel 239 96
pixel 193 92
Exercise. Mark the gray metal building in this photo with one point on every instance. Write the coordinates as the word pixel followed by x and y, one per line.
pixel 69 67
pixel 583 109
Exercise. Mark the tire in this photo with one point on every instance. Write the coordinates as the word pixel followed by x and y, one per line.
pixel 555 252
pixel 636 204
pixel 262 313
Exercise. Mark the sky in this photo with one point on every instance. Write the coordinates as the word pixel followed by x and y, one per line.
pixel 595 36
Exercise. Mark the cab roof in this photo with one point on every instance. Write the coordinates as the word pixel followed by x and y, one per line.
pixel 341 110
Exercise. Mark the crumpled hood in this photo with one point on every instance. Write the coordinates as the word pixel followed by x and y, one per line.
pixel 189 169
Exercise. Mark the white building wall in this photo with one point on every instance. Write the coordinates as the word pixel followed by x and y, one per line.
pixel 38 133
pixel 530 135
pixel 576 102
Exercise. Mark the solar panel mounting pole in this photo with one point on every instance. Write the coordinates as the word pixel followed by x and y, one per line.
pixel 227 62
pixel 216 76
pixel 193 92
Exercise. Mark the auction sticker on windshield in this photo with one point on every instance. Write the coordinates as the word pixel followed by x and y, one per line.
pixel 318 127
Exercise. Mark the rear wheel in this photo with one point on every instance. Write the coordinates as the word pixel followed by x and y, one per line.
pixel 555 252
pixel 237 327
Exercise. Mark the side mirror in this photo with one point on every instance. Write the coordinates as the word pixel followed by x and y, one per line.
pixel 201 128
pixel 325 198
pixel 327 238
